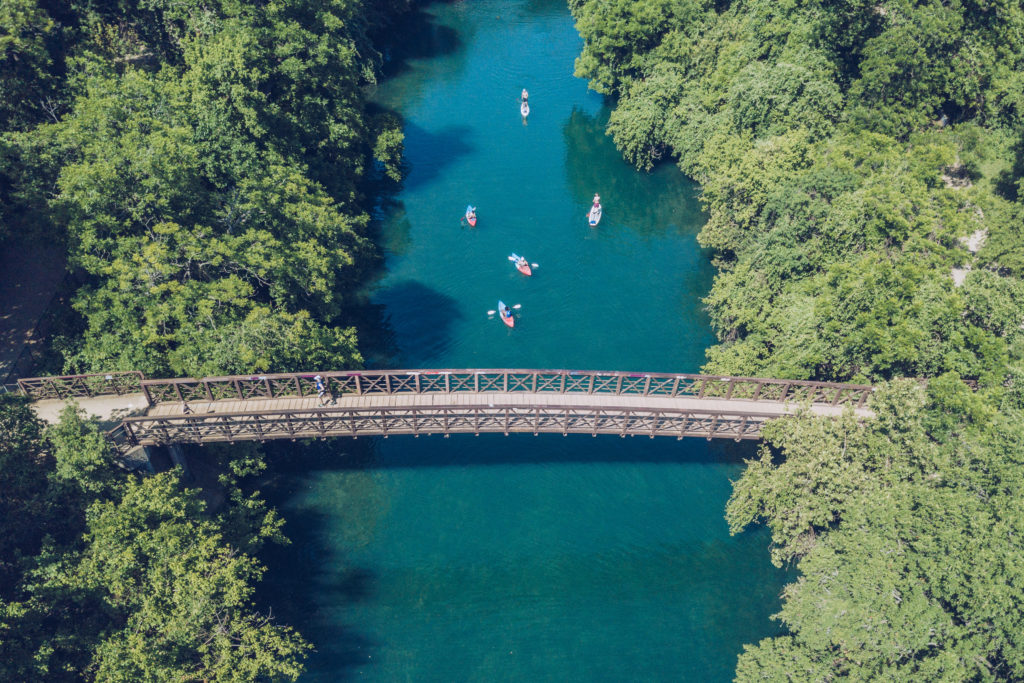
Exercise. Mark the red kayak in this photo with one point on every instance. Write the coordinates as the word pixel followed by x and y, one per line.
pixel 471 216
pixel 505 313
pixel 521 264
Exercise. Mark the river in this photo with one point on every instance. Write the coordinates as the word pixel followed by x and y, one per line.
pixel 498 558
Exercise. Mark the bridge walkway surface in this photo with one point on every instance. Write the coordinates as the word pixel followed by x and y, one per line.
pixel 379 401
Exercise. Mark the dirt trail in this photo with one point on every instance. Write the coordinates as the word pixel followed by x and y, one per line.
pixel 30 275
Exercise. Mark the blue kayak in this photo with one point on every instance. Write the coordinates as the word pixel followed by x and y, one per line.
pixel 505 313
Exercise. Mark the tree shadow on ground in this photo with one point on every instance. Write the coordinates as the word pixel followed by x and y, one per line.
pixel 1007 183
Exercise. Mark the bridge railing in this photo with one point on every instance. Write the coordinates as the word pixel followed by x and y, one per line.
pixel 255 424
pixel 285 385
pixel 81 386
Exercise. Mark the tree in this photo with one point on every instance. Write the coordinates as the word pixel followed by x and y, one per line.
pixel 25 63
pixel 112 576
pixel 845 150
pixel 183 598
pixel 903 531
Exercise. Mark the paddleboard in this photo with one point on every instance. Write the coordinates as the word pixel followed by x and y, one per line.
pixel 471 216
pixel 524 109
pixel 595 215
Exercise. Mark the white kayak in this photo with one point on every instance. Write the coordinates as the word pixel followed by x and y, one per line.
pixel 595 215
pixel 524 109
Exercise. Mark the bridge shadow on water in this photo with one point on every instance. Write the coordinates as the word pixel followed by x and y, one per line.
pixel 466 450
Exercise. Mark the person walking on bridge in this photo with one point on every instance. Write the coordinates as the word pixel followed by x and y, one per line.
pixel 322 391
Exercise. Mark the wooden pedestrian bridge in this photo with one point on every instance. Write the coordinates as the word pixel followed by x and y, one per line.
pixel 386 402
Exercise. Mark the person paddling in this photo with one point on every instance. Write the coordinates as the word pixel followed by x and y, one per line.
pixel 525 96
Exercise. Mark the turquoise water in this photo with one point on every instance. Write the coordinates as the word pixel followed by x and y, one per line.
pixel 521 558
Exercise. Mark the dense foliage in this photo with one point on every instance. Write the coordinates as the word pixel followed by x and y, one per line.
pixel 836 191
pixel 861 166
pixel 204 163
pixel 906 531
pixel 109 576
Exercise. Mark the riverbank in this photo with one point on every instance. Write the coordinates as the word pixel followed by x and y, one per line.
pixel 849 158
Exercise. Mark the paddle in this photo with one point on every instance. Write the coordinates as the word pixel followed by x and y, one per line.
pixel 517 307
pixel 513 258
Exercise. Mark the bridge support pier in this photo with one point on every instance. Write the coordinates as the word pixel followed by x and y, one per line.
pixel 178 458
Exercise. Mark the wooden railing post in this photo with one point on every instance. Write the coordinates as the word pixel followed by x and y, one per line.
pixel 130 433
pixel 864 397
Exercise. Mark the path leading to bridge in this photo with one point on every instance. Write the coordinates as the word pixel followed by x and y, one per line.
pixel 110 410
pixel 32 273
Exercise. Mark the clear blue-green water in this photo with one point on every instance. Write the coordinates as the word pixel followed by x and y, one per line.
pixel 521 558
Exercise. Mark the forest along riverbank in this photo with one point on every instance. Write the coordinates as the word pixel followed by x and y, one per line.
pixel 862 167
pixel 521 558
pixel 200 166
